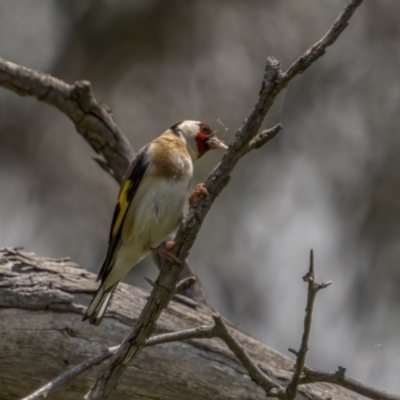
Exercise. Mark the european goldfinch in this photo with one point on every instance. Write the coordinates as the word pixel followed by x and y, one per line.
pixel 150 204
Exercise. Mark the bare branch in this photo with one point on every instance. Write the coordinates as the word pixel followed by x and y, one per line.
pixel 92 119
pixel 264 137
pixel 319 48
pixel 45 390
pixel 149 280
pixel 185 284
pixel 339 378
pixel 272 387
pixel 313 289
pixel 201 332
pixel 178 297
pixel 273 82
pixel 313 375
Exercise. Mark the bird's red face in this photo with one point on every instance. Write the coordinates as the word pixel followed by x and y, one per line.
pixel 207 140
pixel 198 137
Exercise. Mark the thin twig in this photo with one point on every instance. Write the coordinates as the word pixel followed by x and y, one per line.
pixel 149 280
pixel 178 297
pixel 273 82
pixel 185 284
pixel 201 332
pixel 72 373
pixel 319 48
pixel 272 387
pixel 339 378
pixel 264 137
pixel 314 375
pixel 313 289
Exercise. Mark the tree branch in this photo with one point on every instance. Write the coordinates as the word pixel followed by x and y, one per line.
pixel 178 297
pixel 313 289
pixel 272 387
pixel 339 378
pixel 319 48
pixel 45 390
pixel 185 284
pixel 92 119
pixel 263 137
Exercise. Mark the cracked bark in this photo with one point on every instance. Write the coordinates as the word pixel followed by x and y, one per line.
pixel 41 304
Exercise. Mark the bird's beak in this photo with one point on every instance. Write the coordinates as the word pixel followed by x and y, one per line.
pixel 215 143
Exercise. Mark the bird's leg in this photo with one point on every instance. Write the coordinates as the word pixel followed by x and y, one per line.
pixel 167 253
pixel 200 191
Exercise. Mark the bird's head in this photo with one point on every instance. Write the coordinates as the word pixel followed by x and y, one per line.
pixel 198 136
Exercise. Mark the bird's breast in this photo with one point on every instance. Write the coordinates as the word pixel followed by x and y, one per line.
pixel 156 210
pixel 170 159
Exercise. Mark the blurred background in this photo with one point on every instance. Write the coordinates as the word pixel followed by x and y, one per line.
pixel 329 181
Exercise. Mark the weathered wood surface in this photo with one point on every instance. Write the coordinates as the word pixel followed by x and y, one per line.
pixel 41 335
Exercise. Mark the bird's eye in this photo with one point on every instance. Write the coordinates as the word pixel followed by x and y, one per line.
pixel 206 129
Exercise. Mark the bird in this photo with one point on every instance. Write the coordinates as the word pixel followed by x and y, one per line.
pixel 150 204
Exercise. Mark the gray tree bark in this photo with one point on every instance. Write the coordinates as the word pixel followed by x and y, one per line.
pixel 42 301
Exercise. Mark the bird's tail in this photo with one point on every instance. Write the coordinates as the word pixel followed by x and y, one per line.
pixel 97 307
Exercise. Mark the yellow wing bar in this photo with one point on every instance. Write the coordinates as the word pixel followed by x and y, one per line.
pixel 123 203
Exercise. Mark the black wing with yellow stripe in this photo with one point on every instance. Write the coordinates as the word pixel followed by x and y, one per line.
pixel 128 189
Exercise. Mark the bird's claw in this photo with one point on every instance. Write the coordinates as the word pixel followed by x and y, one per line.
pixel 167 254
pixel 200 191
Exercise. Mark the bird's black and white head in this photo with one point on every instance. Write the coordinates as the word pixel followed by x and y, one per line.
pixel 198 137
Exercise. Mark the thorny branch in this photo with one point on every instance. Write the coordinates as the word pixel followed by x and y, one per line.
pixel 274 81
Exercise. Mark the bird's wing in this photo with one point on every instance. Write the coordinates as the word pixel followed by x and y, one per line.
pixel 132 180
